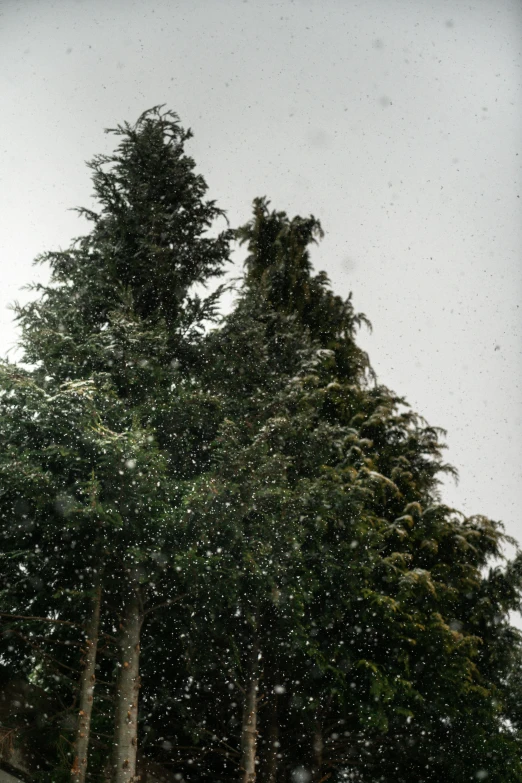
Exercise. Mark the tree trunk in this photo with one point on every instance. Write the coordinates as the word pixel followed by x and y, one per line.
pixel 249 723
pixel 272 740
pixel 318 747
pixel 126 718
pixel 87 681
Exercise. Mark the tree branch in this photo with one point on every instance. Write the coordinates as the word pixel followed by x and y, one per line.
pixel 41 619
pixel 165 603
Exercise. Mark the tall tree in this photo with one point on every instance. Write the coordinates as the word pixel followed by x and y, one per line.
pixel 120 303
pixel 333 618
pixel 397 581
pixel 332 582
pixel 82 474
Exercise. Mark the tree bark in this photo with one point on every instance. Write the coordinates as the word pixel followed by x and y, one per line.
pixel 272 740
pixel 126 718
pixel 87 682
pixel 249 723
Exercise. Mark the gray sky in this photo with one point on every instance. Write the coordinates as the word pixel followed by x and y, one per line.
pixel 398 123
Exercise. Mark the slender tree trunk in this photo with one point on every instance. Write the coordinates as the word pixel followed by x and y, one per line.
pixel 272 740
pixel 87 682
pixel 249 723
pixel 318 747
pixel 126 718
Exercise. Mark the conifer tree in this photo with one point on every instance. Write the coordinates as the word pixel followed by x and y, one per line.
pixel 120 305
pixel 262 558
pixel 333 583
pixel 417 564
pixel 80 475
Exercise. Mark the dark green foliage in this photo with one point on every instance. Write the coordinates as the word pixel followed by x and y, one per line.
pixel 84 492
pixel 279 267
pixel 320 521
pixel 120 299
pixel 278 510
pixel 111 338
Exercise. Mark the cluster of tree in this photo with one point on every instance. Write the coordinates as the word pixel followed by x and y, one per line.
pixel 223 548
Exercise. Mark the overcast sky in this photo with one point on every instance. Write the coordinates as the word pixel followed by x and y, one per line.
pixel 397 123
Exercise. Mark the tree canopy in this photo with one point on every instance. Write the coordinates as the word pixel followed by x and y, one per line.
pixel 226 551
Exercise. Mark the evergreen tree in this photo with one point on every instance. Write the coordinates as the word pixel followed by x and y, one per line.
pixel 120 305
pixel 396 572
pixel 240 526
pixel 79 476
pixel 324 486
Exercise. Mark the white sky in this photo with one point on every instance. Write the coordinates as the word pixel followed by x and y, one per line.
pixel 397 123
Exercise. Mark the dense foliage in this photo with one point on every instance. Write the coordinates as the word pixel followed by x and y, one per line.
pixel 225 551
